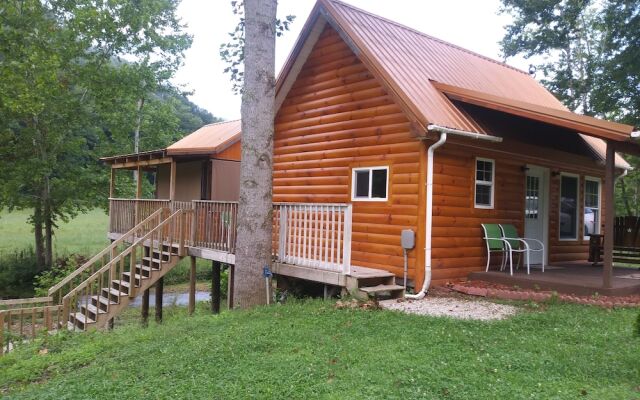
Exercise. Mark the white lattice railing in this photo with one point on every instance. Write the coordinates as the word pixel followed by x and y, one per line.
pixel 313 235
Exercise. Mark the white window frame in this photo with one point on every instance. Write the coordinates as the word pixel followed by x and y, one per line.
pixel 584 202
pixel 484 183
pixel 369 198
pixel 567 174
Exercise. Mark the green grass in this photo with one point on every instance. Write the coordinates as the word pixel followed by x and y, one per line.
pixel 85 234
pixel 312 350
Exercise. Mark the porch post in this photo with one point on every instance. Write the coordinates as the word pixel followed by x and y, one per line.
pixel 609 214
pixel 139 183
pixel 112 183
pixel 172 181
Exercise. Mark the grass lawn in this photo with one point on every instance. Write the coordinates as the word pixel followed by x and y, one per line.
pixel 310 349
pixel 85 234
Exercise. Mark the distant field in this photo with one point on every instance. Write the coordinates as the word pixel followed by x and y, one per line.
pixel 85 234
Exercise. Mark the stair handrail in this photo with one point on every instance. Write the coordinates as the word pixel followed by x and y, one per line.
pixel 67 298
pixel 131 233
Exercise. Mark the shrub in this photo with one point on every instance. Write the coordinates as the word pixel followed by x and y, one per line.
pixel 62 267
pixel 17 272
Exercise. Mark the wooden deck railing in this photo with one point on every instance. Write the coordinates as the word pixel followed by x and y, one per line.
pixel 22 319
pixel 124 214
pixel 214 225
pixel 315 235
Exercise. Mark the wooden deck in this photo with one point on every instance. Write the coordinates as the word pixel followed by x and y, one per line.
pixel 570 278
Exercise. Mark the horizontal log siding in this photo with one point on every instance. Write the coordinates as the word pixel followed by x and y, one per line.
pixel 335 117
pixel 458 247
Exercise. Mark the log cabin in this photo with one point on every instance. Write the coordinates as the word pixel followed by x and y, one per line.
pixel 379 130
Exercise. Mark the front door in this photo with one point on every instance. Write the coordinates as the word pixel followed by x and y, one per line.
pixel 536 208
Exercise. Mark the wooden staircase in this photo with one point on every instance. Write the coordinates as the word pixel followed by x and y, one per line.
pixel 102 296
pixel 365 283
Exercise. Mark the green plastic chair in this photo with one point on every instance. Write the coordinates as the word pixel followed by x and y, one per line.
pixel 521 245
pixel 496 244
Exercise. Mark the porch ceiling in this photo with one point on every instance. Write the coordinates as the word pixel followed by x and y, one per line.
pixel 612 132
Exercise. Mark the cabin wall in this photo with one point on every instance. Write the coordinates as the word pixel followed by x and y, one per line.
pixel 225 180
pixel 188 181
pixel 458 247
pixel 336 117
pixel 232 152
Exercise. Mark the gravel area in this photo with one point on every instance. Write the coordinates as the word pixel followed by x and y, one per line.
pixel 452 307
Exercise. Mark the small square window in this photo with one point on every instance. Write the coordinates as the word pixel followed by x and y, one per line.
pixel 370 184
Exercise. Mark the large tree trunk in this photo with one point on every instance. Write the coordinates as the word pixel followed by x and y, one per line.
pixel 37 230
pixel 253 248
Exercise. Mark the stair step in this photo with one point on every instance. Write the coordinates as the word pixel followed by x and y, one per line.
pixel 381 288
pixel 146 270
pixel 81 318
pixel 121 284
pixel 113 292
pixel 102 301
pixel 154 260
pixel 137 277
pixel 91 309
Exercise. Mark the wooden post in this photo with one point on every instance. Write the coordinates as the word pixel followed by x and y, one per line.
pixel 231 277
pixel 112 183
pixel 139 183
pixel 215 287
pixel 192 286
pixel 159 290
pixel 609 214
pixel 172 181
pixel 145 307
pixel 1 333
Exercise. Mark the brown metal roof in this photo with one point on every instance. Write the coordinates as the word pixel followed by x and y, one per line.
pixel 209 139
pixel 408 61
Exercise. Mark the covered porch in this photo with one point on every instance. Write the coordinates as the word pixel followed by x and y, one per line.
pixel 579 278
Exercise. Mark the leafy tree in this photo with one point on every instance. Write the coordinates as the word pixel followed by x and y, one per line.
pixel 65 93
pixel 587 52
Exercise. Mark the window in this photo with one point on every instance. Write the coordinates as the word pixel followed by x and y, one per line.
pixel 370 184
pixel 568 207
pixel 532 197
pixel 484 183
pixel 591 206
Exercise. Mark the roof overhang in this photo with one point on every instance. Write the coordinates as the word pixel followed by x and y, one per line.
pixel 606 130
pixel 142 159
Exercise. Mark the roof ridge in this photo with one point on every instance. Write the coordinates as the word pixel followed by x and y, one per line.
pixel 220 123
pixel 455 46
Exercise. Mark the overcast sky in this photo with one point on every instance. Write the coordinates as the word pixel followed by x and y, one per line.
pixel 472 24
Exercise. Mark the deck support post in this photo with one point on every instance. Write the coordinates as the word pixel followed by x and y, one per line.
pixel 192 285
pixel 215 287
pixel 609 214
pixel 231 278
pixel 172 181
pixel 145 307
pixel 159 290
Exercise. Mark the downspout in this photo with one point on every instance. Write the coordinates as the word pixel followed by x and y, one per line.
pixel 429 200
pixel 428 220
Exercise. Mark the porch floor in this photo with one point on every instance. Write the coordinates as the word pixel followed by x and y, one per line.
pixel 580 278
